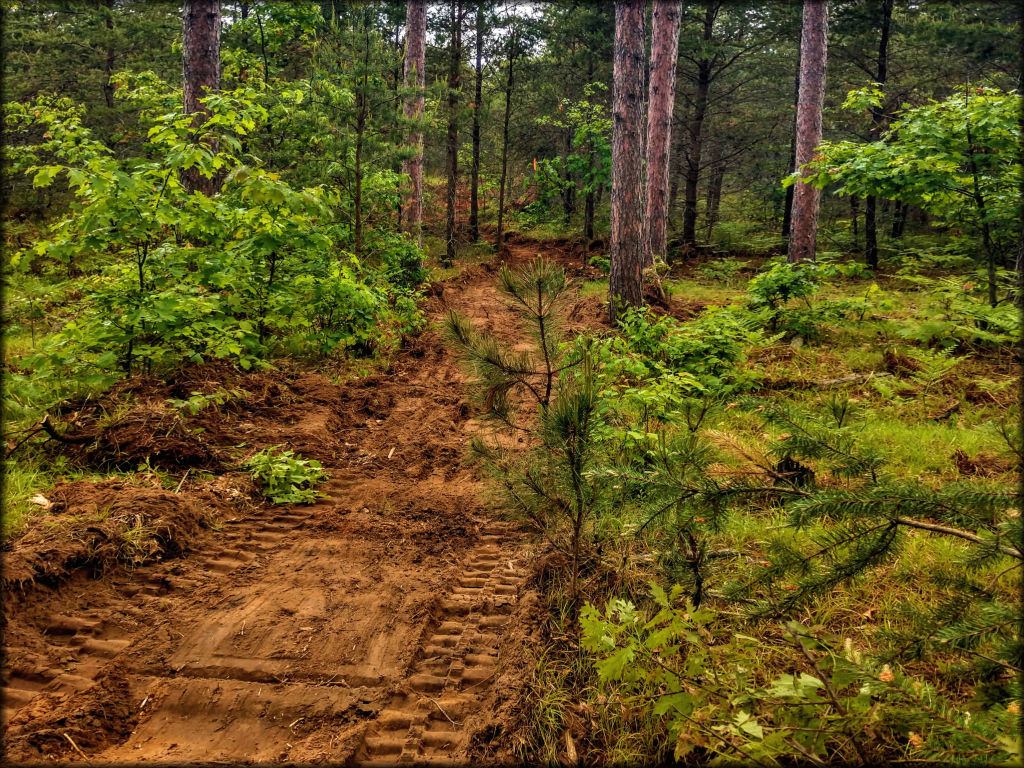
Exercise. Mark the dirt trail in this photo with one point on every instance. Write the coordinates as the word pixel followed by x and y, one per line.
pixel 368 627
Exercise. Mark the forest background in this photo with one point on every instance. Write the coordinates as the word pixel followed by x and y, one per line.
pixel 302 250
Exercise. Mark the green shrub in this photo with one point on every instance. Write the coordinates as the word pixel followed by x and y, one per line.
pixel 284 477
pixel 690 667
pixel 602 262
pixel 706 349
pixel 783 296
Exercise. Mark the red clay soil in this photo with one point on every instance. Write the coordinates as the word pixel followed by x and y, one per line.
pixel 388 621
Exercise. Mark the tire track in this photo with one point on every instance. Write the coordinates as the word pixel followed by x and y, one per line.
pixel 348 630
pixel 425 722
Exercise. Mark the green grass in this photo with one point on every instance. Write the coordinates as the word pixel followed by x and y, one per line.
pixel 693 290
pixel 594 288
pixel 22 480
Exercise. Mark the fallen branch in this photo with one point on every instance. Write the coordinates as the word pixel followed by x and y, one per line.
pixel 966 535
pixel 85 756
pixel 47 427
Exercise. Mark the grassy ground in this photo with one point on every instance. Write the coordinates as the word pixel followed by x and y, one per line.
pixel 936 418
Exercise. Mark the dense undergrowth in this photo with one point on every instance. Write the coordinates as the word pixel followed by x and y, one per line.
pixel 785 529
pixel 139 275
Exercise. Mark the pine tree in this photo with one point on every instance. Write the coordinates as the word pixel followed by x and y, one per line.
pixel 813 52
pixel 415 79
pixel 201 71
pixel 664 54
pixel 627 214
pixel 548 487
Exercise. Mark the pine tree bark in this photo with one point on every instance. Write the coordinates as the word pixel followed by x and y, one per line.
pixel 474 202
pixel 787 214
pixel 415 80
pixel 899 220
pixel 877 126
pixel 813 52
pixel 660 103
pixel 627 215
pixel 568 188
pixel 855 217
pixel 452 142
pixel 200 72
pixel 695 128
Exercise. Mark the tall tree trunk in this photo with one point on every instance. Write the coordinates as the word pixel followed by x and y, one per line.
pixel 899 219
pixel 452 143
pixel 568 188
pixel 590 194
pixel 200 72
pixel 357 196
pixel 714 197
pixel 877 126
pixel 509 82
pixel 474 211
pixel 982 209
pixel 871 232
pixel 110 58
pixel 813 52
pixel 588 223
pixel 676 163
pixel 787 213
pixel 660 103
pixel 398 43
pixel 627 215
pixel 695 129
pixel 855 216
pixel 415 78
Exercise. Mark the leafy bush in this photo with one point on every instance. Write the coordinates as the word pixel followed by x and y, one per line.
pixel 774 291
pixel 954 159
pixel 706 349
pixel 602 262
pixel 197 401
pixel 781 281
pixel 177 276
pixel 284 477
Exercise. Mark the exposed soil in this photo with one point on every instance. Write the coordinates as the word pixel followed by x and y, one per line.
pixel 388 621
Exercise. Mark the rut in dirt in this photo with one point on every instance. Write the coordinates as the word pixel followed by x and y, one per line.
pixel 372 626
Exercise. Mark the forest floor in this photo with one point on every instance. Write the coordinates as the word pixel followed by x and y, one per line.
pixel 388 620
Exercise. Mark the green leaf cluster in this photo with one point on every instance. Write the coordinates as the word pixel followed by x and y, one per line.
pixel 284 477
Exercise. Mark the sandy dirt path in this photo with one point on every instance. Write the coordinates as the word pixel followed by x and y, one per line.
pixel 368 627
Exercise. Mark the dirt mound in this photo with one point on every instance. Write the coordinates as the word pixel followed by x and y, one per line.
pixel 102 715
pixel 99 525
pixel 897 363
pixel 588 313
pixel 205 418
pixel 152 433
